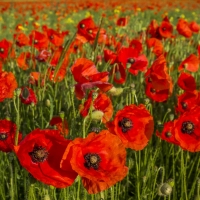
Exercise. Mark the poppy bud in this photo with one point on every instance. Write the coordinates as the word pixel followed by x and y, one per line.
pixel 115 91
pixel 48 103
pixel 17 91
pixel 47 197
pixel 171 117
pixel 164 189
pixel 62 115
pixel 97 115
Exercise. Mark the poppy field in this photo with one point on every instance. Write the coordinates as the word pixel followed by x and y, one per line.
pixel 100 100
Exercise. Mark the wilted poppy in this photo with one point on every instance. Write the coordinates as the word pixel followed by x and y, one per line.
pixel 27 96
pixel 40 153
pixel 134 125
pixel 187 130
pixel 7 135
pixel 99 159
pixel 8 84
pixel 191 63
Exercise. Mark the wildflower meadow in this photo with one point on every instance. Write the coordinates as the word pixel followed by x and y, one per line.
pixel 100 100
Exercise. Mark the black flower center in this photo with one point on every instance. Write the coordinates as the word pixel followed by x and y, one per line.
pixel 184 105
pixel 152 90
pixel 39 154
pixel 126 124
pixel 187 127
pixel 131 60
pixel 164 28
pixel 3 136
pixel 82 26
pixel 149 79
pixel 75 47
pixel 51 37
pixel 1 50
pixel 92 160
pixel 35 41
pixel 168 134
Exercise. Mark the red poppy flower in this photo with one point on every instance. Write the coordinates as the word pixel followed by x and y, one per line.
pixel 6 49
pixel 21 39
pixel 61 126
pixel 8 84
pixel 134 125
pixel 136 44
pixel 166 29
pixel 39 40
pixel 187 100
pixel 191 63
pixel 110 56
pixel 156 45
pixel 187 130
pixel 186 82
pixel 84 71
pixel 55 37
pixel 25 60
pixel 85 25
pixel 40 153
pixel 57 76
pixel 27 96
pixel 99 159
pixel 101 103
pixel 183 28
pixel 7 135
pixel 158 82
pixel 122 21
pixel 131 59
pixel 152 29
pixel 157 95
pixel 194 27
pixel 168 133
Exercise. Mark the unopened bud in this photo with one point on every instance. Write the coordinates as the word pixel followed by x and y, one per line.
pixel 97 115
pixel 62 115
pixel 115 91
pixel 164 189
pixel 48 103
pixel 17 92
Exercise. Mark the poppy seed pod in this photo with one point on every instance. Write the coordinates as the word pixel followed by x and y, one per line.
pixel 164 189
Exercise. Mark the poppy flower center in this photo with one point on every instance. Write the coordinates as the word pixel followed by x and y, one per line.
pixel 82 26
pixel 152 90
pixel 51 37
pixel 168 134
pixel 187 127
pixel 35 41
pixel 75 47
pixel 131 60
pixel 3 136
pixel 149 79
pixel 184 105
pixel 90 31
pixel 164 28
pixel 1 50
pixel 126 124
pixel 39 154
pixel 92 160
